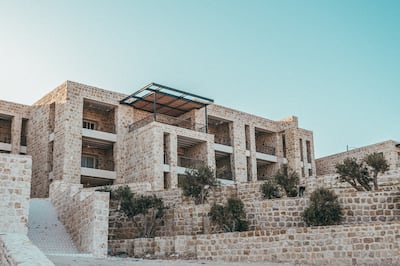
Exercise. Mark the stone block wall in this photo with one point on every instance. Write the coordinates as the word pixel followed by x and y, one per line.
pixel 84 214
pixel 47 116
pixel 326 165
pixel 17 249
pixel 373 244
pixel 185 218
pixel 15 180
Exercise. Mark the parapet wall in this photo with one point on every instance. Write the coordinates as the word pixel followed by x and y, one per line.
pixel 15 178
pixel 374 244
pixel 84 214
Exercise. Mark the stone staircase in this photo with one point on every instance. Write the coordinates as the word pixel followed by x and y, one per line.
pixel 46 231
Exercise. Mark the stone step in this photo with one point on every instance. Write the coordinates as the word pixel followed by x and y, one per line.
pixel 46 231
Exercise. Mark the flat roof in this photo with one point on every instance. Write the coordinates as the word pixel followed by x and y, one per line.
pixel 165 100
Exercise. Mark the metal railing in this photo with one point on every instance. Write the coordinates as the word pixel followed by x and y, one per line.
pixel 188 162
pixel 223 141
pixel 266 149
pixel 169 120
pixel 108 128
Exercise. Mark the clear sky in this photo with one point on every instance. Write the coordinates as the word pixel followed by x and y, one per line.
pixel 334 64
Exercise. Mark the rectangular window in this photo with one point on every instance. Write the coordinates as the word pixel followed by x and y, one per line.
pixel 301 150
pixel 89 124
pixel 308 147
pixel 284 145
pixel 89 161
pixel 309 172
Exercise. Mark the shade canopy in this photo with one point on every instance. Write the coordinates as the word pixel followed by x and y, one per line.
pixel 156 98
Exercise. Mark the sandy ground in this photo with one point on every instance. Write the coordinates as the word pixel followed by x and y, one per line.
pixel 113 261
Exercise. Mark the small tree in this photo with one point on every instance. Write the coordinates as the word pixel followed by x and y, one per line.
pixel 270 190
pixel 231 217
pixel 288 180
pixel 354 173
pixel 149 208
pixel 198 182
pixel 378 164
pixel 324 208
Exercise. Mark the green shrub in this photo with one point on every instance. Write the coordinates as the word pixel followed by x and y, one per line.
pixel 231 217
pixel 354 173
pixel 324 208
pixel 288 180
pixel 197 183
pixel 149 208
pixel 270 190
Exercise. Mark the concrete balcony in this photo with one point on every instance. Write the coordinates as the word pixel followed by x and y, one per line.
pixel 266 157
pixel 5 146
pixel 223 148
pixel 105 174
pixel 22 149
pixel 100 135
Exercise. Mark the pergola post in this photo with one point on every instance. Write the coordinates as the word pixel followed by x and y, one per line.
pixel 155 107
pixel 206 118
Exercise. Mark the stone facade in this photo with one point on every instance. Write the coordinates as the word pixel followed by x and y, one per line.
pixel 77 126
pixel 373 244
pixel 15 179
pixel 390 150
pixel 84 214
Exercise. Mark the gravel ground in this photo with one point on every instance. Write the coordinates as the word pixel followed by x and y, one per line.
pixel 114 261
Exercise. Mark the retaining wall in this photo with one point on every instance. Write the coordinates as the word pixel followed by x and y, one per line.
pixel 84 214
pixel 15 178
pixel 186 218
pixel 374 244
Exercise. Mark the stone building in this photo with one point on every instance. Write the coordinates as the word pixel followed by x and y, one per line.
pixel 86 135
pixel 390 150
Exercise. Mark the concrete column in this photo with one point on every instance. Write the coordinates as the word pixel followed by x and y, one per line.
pixel 157 168
pixel 293 149
pixel 239 161
pixel 253 160
pixel 210 154
pixel 16 127
pixel 172 153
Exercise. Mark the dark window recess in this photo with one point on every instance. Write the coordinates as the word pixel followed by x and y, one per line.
pixel 308 147
pixel 284 145
pixel 301 150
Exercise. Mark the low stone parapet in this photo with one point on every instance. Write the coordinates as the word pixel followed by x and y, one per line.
pixel 17 249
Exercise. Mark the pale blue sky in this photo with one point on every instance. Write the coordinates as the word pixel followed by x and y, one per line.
pixel 334 64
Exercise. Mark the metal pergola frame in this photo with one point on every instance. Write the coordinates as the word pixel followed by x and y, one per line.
pixel 188 101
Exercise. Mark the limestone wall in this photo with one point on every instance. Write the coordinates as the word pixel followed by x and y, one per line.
pixel 326 165
pixel 185 218
pixel 15 178
pixel 17 249
pixel 84 214
pixel 374 244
